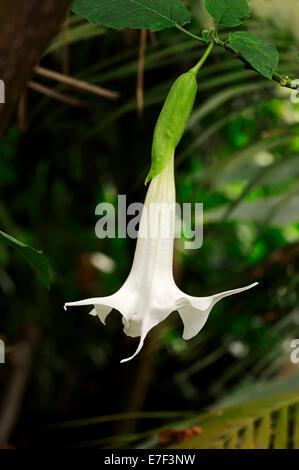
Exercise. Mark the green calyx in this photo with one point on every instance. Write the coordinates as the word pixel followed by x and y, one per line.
pixel 174 116
pixel 172 121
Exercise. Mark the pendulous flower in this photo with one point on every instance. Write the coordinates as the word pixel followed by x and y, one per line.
pixel 150 294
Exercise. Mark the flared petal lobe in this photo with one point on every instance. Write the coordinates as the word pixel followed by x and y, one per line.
pixel 194 311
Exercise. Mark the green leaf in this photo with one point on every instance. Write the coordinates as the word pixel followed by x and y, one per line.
pixel 33 257
pixel 256 423
pixel 151 14
pixel 228 12
pixel 261 56
pixel 75 34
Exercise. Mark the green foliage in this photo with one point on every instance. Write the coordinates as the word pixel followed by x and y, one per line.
pixel 77 33
pixel 205 35
pixel 152 14
pixel 271 423
pixel 34 257
pixel 263 57
pixel 228 12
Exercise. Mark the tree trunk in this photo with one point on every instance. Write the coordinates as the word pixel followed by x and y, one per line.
pixel 26 27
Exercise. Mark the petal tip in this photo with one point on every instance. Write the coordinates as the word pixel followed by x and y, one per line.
pixel 125 360
pixel 136 352
pixel 186 337
pixel 252 285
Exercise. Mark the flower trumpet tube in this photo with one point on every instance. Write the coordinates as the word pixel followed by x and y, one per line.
pixel 150 294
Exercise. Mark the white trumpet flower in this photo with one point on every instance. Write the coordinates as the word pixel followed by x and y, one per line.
pixel 150 294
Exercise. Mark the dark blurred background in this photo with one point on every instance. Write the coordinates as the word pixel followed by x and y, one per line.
pixel 58 161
